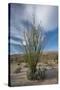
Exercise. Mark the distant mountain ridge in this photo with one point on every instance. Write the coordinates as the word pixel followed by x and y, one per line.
pixel 47 55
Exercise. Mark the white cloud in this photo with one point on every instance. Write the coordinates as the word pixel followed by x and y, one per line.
pixel 47 15
pixel 24 43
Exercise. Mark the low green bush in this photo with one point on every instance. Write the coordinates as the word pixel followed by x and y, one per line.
pixel 38 75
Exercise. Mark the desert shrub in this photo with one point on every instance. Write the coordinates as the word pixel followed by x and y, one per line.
pixel 18 70
pixel 18 63
pixel 38 75
pixel 31 75
pixel 43 73
pixel 56 59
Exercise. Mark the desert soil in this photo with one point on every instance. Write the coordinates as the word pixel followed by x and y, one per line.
pixel 20 78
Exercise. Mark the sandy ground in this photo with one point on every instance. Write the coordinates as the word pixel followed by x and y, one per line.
pixel 20 78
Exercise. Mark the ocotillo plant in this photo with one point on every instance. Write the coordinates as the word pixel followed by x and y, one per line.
pixel 34 45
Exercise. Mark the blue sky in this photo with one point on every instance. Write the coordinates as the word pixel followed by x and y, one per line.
pixel 21 17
